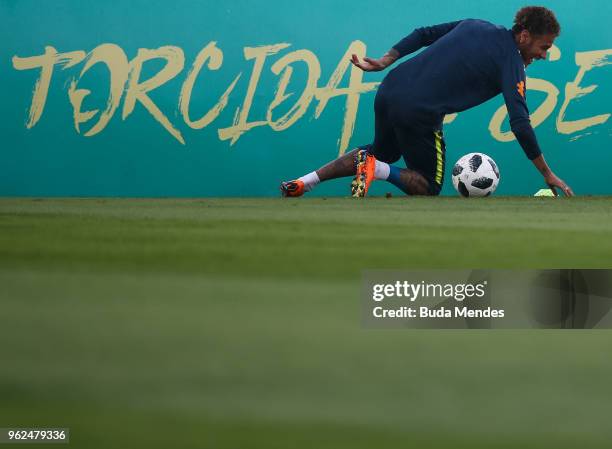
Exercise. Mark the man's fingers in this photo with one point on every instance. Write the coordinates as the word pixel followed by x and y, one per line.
pixel 355 61
pixel 565 188
pixel 372 62
pixel 553 189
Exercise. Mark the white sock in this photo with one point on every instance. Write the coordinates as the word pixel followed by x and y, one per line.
pixel 381 170
pixel 310 181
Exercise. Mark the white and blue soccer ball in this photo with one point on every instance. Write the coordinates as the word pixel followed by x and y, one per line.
pixel 475 174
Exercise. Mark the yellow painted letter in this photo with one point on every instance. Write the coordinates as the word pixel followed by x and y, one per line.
pixel 45 62
pixel 300 106
pixel 215 58
pixel 240 125
pixel 175 61
pixel 586 61
pixel 118 66
pixel 355 89
pixel 538 116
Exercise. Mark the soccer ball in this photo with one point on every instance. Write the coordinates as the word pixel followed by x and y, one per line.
pixel 475 174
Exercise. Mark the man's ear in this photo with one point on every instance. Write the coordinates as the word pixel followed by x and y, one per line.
pixel 524 37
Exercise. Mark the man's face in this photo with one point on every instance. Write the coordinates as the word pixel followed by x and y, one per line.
pixel 534 46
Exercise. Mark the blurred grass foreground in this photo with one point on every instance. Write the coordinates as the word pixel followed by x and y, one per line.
pixel 235 323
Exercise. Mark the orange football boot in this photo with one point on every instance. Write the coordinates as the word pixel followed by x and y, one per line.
pixel 292 188
pixel 365 174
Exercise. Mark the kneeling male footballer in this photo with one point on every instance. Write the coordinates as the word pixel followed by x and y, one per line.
pixel 465 64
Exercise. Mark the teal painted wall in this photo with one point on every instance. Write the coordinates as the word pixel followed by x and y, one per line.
pixel 137 156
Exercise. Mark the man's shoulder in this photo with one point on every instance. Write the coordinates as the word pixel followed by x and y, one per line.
pixel 483 24
pixel 487 35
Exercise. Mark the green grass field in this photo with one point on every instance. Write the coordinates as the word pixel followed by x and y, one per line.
pixel 235 323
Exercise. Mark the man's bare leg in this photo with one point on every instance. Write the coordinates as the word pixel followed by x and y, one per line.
pixel 409 181
pixel 412 182
pixel 339 168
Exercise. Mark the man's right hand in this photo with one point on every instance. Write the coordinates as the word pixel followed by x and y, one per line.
pixel 555 182
pixel 550 178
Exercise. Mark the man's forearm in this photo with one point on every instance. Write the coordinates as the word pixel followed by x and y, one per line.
pixel 390 57
pixel 541 165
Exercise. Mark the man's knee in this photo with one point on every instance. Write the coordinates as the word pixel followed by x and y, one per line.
pixel 415 183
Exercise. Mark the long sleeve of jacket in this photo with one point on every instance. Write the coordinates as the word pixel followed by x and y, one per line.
pixel 423 37
pixel 514 89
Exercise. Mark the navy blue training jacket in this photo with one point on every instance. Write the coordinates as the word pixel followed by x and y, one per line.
pixel 465 64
